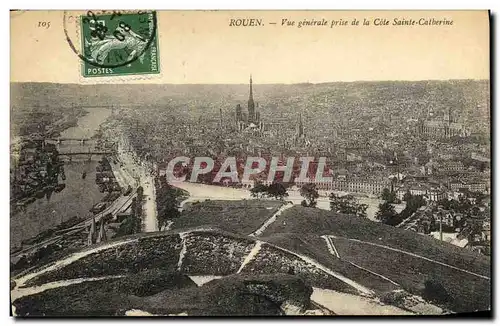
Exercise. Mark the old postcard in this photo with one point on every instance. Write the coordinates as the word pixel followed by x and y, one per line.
pixel 222 163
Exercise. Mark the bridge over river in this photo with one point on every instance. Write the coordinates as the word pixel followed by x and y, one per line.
pixel 80 194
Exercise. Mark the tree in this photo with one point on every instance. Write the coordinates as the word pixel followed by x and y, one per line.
pixel 168 209
pixel 277 190
pixel 167 199
pixel 407 196
pixel 446 203
pixel 387 214
pixel 130 225
pixel 259 190
pixel 464 204
pixel 388 196
pixel 479 198
pixel 347 205
pixel 434 291
pixel 413 203
pixel 475 228
pixel 310 193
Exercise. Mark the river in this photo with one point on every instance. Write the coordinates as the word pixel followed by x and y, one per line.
pixel 76 198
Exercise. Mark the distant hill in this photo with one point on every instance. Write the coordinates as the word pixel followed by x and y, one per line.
pixel 332 102
pixel 159 94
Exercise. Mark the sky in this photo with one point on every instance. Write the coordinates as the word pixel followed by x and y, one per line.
pixel 201 47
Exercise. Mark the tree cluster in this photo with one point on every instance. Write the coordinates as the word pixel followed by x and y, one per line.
pixel 389 196
pixel 167 202
pixel 387 214
pixel 413 203
pixel 310 193
pixel 467 204
pixel 133 223
pixel 347 204
pixel 435 292
pixel 275 190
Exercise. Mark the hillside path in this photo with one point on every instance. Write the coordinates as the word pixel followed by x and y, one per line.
pixel 271 220
pixel 333 250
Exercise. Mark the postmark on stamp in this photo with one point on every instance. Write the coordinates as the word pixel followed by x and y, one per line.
pixel 119 44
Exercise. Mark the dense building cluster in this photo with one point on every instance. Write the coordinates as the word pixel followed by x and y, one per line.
pixel 446 128
pixel 429 139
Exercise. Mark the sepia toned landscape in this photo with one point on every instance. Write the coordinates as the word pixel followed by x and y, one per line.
pixel 250 198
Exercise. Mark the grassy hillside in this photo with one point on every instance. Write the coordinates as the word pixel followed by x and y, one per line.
pixel 300 228
pixel 467 292
pixel 315 247
pixel 303 220
pixel 239 217
pixel 199 252
pixel 371 255
pixel 161 293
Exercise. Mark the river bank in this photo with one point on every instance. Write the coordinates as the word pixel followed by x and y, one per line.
pixel 78 196
pixel 134 169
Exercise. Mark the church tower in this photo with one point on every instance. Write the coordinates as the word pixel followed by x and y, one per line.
pixel 447 116
pixel 239 116
pixel 251 104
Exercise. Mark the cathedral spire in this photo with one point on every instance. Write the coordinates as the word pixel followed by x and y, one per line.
pixel 251 90
pixel 251 104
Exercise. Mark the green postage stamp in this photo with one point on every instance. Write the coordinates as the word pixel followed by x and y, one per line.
pixel 119 44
